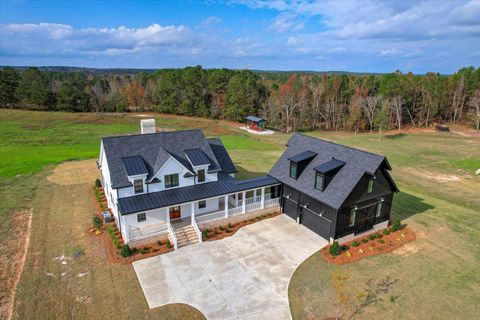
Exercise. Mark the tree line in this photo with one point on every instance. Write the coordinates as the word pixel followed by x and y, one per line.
pixel 290 101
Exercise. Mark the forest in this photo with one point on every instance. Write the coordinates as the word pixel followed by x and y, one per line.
pixel 290 101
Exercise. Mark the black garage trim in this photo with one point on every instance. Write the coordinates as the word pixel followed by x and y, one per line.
pixel 303 207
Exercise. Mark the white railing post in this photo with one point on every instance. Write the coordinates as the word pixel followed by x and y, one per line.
pixel 171 233
pixel 243 201
pixel 193 212
pixel 226 206
pixel 262 206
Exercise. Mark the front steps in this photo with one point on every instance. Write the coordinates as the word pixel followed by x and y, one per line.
pixel 185 235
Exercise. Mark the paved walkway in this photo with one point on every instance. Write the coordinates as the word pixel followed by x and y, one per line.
pixel 245 276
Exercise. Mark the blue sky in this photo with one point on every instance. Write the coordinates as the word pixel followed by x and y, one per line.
pixel 370 36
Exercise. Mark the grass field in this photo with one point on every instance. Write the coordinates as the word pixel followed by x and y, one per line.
pixel 434 277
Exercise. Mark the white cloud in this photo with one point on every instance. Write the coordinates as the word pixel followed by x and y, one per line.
pixel 62 39
pixel 286 22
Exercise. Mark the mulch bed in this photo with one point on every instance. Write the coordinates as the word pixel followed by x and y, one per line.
pixel 350 254
pixel 229 230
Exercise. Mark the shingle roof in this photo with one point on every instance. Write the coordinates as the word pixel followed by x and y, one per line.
pixel 166 198
pixel 222 155
pixel 329 166
pixel 303 156
pixel 357 163
pixel 197 157
pixel 155 149
pixel 134 165
pixel 254 119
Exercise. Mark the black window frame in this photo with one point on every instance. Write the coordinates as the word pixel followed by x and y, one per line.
pixel 141 217
pixel 135 186
pixel 319 174
pixel 295 165
pixel 203 173
pixel 202 204
pixel 370 185
pixel 169 181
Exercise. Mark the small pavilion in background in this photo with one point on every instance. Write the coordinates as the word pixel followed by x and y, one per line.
pixel 256 123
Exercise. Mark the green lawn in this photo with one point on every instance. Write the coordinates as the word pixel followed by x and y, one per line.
pixel 439 199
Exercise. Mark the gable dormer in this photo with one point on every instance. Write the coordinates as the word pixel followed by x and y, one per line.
pixel 299 162
pixel 325 173
pixel 136 172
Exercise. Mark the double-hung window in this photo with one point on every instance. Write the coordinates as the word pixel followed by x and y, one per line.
pixel 141 217
pixel 370 185
pixel 138 185
pixel 171 180
pixel 202 204
pixel 293 170
pixel 320 181
pixel 201 175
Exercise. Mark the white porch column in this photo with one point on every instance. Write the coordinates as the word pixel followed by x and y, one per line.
pixel 226 206
pixel 167 214
pixel 243 201
pixel 262 206
pixel 193 211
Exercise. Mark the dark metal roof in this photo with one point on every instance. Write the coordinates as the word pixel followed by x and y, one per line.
pixel 303 156
pixel 197 157
pixel 329 166
pixel 156 149
pixel 254 119
pixel 134 165
pixel 222 155
pixel 357 164
pixel 150 201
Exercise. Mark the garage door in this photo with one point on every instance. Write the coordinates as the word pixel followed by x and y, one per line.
pixel 316 223
pixel 290 208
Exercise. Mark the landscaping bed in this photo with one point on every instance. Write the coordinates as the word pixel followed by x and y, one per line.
pixel 383 241
pixel 228 230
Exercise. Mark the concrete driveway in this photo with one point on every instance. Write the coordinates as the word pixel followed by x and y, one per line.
pixel 245 276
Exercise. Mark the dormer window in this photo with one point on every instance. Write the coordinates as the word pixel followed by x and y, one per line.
pixel 171 180
pixel 293 170
pixel 138 185
pixel 370 185
pixel 201 175
pixel 320 181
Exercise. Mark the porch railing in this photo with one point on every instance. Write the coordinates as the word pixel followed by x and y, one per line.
pixel 197 230
pixel 135 234
pixel 171 235
pixel 272 202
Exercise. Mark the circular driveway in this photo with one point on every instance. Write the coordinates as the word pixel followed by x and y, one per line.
pixel 245 276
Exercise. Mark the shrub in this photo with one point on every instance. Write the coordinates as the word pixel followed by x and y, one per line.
pixel 378 236
pixel 204 234
pixel 125 251
pixel 397 225
pixel 143 251
pixel 344 248
pixel 221 228
pixel 159 242
pixel 371 236
pixel 230 225
pixel 169 244
pixel 355 244
pixel 97 222
pixel 364 240
pixel 98 183
pixel 334 249
pixel 381 241
pixel 386 232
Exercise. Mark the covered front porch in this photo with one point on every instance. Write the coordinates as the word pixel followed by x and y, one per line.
pixel 164 221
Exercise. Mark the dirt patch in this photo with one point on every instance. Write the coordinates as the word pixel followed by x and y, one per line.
pixel 372 247
pixel 12 259
pixel 435 176
pixel 72 173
